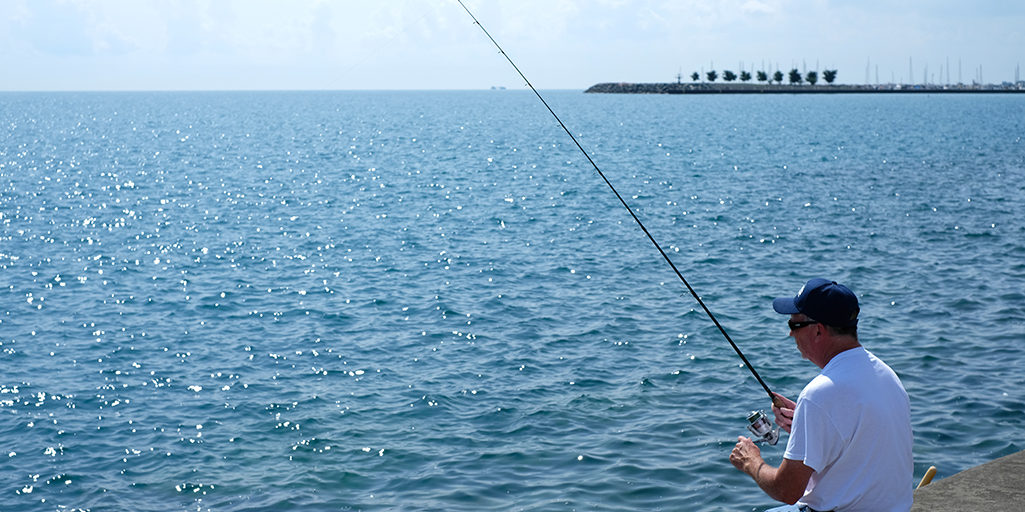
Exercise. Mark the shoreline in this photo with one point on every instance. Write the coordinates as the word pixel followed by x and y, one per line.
pixel 745 88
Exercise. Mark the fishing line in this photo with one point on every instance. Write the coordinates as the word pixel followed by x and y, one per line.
pixel 629 209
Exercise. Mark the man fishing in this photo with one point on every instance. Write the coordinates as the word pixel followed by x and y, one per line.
pixel 850 430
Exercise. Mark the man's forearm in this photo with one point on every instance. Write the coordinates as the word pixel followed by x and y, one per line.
pixel 785 483
pixel 768 478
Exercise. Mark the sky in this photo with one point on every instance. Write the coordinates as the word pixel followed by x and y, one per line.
pixel 78 45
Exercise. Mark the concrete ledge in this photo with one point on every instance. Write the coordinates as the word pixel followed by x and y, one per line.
pixel 995 485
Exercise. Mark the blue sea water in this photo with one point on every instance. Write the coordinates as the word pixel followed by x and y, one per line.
pixel 430 300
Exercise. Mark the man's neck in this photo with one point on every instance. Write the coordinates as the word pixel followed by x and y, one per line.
pixel 842 344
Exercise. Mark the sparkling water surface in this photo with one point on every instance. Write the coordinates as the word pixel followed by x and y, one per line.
pixel 430 300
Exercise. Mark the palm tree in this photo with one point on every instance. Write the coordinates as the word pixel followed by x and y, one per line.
pixel 695 76
pixel 729 76
pixel 795 76
pixel 763 76
pixel 778 77
pixel 745 76
pixel 812 77
pixel 829 75
pixel 712 75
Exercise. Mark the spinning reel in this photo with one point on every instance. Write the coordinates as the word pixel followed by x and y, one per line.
pixel 762 429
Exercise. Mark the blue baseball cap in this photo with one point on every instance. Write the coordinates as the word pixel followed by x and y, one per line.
pixel 824 301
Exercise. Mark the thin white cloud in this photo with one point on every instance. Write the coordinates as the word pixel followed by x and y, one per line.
pixel 757 7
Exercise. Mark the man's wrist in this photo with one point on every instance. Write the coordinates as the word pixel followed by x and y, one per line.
pixel 757 469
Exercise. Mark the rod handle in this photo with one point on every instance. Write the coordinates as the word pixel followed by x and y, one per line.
pixel 929 473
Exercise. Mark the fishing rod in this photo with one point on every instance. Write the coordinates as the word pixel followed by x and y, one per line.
pixel 775 400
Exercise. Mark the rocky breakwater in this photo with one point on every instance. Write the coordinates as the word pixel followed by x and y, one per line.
pixel 804 88
pixel 629 88
pixel 719 88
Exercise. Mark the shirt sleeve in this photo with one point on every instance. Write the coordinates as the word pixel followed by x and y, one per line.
pixel 813 437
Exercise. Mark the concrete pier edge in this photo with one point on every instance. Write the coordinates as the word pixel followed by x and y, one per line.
pixel 995 485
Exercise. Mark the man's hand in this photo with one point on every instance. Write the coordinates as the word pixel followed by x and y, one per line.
pixel 746 456
pixel 785 414
pixel 785 483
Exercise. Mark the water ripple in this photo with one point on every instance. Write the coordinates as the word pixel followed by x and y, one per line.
pixel 380 301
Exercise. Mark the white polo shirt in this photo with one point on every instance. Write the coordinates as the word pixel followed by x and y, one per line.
pixel 852 425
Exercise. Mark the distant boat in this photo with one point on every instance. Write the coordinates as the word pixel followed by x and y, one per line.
pixel 498 88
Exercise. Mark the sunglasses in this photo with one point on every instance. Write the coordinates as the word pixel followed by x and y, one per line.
pixel 797 325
